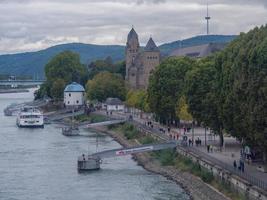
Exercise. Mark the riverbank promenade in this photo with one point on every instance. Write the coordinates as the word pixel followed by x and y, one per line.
pixel 223 158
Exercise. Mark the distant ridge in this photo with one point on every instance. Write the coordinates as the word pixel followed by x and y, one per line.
pixel 32 63
pixel 195 41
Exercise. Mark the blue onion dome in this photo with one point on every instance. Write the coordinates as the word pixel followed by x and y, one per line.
pixel 74 87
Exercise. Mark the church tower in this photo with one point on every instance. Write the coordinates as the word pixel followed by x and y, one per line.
pixel 131 51
pixel 151 59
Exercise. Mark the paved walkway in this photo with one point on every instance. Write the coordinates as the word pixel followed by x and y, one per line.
pixel 224 159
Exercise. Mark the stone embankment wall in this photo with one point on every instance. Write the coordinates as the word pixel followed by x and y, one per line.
pixel 236 183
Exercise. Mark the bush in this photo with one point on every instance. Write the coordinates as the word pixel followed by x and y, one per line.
pixel 186 164
pixel 147 140
pixel 127 127
pixel 206 176
pixel 129 131
pixel 166 157
pixel 133 134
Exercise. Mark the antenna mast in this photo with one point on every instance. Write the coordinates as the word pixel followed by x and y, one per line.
pixel 208 18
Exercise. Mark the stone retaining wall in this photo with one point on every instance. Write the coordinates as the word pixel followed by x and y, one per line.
pixel 236 183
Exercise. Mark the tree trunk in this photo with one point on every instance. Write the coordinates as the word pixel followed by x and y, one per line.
pixel 221 139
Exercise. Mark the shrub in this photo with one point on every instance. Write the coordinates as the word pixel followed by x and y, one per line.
pixel 147 140
pixel 206 176
pixel 166 157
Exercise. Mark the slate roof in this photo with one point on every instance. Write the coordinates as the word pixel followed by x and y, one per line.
pixel 132 35
pixel 74 87
pixel 198 51
pixel 151 46
pixel 113 101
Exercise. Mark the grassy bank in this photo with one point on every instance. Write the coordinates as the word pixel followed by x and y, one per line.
pixel 170 157
pixel 92 118
pixel 131 133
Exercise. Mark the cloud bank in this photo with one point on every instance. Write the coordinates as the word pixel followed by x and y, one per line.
pixel 28 25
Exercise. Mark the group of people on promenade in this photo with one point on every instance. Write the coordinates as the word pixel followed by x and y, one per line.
pixel 197 142
pixel 241 166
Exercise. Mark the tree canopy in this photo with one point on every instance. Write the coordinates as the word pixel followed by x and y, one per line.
pixel 137 99
pixel 62 69
pixel 108 66
pixel 242 67
pixel 202 95
pixel 166 86
pixel 104 85
pixel 66 66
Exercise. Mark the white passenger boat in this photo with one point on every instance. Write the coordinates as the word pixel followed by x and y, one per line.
pixel 30 117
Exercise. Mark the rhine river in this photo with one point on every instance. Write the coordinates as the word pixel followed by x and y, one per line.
pixel 41 164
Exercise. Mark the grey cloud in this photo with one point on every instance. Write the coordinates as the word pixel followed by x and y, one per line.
pixel 37 24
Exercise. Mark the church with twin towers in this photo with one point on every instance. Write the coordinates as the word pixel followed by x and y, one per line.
pixel 140 62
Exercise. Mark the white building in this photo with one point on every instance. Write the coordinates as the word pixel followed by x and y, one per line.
pixel 74 95
pixel 113 104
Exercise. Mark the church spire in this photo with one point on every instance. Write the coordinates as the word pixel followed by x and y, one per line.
pixel 151 46
pixel 132 35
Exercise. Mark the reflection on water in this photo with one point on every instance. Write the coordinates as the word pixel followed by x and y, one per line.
pixel 37 164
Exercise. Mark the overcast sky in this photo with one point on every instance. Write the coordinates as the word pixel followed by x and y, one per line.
pixel 29 25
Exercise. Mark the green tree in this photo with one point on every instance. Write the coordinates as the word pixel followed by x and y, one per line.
pixel 57 89
pixel 182 110
pixel 104 85
pixel 202 95
pixel 44 90
pixel 166 86
pixel 137 99
pixel 66 66
pixel 107 65
pixel 242 76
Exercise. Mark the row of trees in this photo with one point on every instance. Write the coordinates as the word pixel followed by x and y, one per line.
pixel 226 92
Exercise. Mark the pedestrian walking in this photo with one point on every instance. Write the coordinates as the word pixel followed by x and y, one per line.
pixel 208 148
pixel 235 164
pixel 242 164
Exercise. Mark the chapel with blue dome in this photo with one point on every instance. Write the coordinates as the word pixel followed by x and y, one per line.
pixel 74 95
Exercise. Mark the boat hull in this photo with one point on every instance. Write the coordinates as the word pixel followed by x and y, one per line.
pixel 30 126
pixel 88 164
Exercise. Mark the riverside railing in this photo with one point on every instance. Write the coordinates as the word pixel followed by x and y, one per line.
pixel 245 175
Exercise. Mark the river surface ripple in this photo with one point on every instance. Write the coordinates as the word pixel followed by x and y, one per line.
pixel 40 164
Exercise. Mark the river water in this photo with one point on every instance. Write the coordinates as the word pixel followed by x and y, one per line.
pixel 40 164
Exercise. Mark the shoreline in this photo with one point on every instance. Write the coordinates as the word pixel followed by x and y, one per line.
pixel 194 187
pixel 7 91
